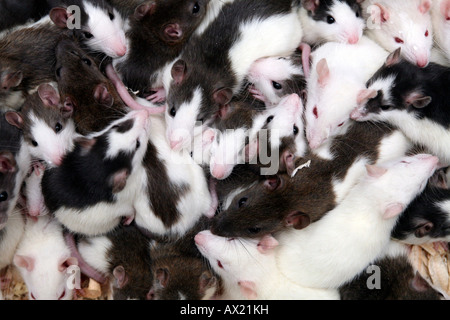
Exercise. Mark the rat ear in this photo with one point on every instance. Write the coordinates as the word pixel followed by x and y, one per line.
pixel 11 79
pixel 7 162
pixel 273 183
pixel 102 96
pixel 147 8
pixel 48 94
pixel 14 118
pixel 380 13
pixel 248 289
pixel 323 72
pixel 287 162
pixel 120 277
pixel 417 100
pixel 65 263
pixel 374 171
pixel 222 96
pixel 251 150
pixel 365 95
pixel 424 6
pixel 311 5
pixel 207 280
pixel 445 9
pixel 179 71
pixel 424 229
pixel 24 262
pixel 162 275
pixel 118 181
pixel 267 244
pixel 59 16
pixel 298 220
pixel 393 58
pixel 393 210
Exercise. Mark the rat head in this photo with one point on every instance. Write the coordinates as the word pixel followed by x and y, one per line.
pixel 327 110
pixel 101 26
pixel 182 278
pixel 92 98
pixel 44 261
pixel 441 25
pixel 263 208
pixel 407 175
pixel 127 285
pixel 8 173
pixel 276 77
pixel 173 22
pixel 192 101
pixel 239 261
pixel 395 87
pixel 426 219
pixel 46 124
pixel 337 20
pixel 409 29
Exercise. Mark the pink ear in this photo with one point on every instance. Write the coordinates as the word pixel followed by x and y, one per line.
pixel 375 171
pixel 417 100
pixel 144 9
pixel 251 150
pixel 7 162
pixel 14 118
pixel 365 95
pixel 393 210
pixel 65 263
pixel 119 180
pixel 425 6
pixel 162 274
pixel 222 96
pixel 179 71
pixel 267 244
pixel 102 96
pixel 298 220
pixel 323 71
pixel 384 13
pixel 445 9
pixel 248 289
pixel 11 80
pixel 311 5
pixel 59 17
pixel 272 183
pixel 208 137
pixel 394 58
pixel 121 278
pixel 24 262
pixel 49 95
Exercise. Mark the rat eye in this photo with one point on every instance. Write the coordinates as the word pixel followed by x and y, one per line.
pixel 32 296
pixel 276 85
pixel 86 61
pixel 173 112
pixel 269 119
pixel 88 35
pixel 138 144
pixel 196 8
pixel 254 230
pixel 34 143
pixel 398 40
pixel 62 295
pixel 316 113
pixel 427 33
pixel 3 196
pixel 58 127
pixel 111 16
pixel 330 20
pixel 242 202
pixel 296 130
pixel 385 107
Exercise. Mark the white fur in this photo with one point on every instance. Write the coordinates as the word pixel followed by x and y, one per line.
pixel 12 235
pixel 350 67
pixel 441 28
pixel 406 22
pixel 109 36
pixel 243 262
pixel 95 253
pixel 347 28
pixel 43 241
pixel 182 170
pixel 212 11
pixel 335 249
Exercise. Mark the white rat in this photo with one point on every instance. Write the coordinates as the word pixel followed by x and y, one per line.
pixel 248 270
pixel 43 259
pixel 440 15
pixel 338 247
pixel 407 25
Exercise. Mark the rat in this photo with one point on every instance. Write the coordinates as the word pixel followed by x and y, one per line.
pixel 100 26
pixel 213 65
pixel 126 7
pixel 440 16
pixel 248 269
pixel 43 259
pixel 158 31
pixel 426 219
pixel 109 162
pixel 95 100
pixel 305 188
pixel 332 20
pixel 122 257
pixel 411 98
pixel 394 25
pixel 334 250
pixel 46 123
pixel 337 81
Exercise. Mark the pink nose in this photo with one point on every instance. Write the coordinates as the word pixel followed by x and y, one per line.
pixel 218 171
pixel 121 50
pixel 422 63
pixel 175 144
pixel 353 39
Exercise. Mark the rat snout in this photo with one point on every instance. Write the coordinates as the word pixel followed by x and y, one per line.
pixel 220 171
pixel 173 31
pixel 353 38
pixel 358 113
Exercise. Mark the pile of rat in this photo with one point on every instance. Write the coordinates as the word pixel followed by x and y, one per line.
pixel 225 149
